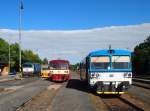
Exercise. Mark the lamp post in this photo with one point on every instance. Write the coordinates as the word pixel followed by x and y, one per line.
pixel 20 24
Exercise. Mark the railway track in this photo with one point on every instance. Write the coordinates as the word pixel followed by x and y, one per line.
pixel 11 85
pixel 142 77
pixel 18 82
pixel 117 103
pixel 42 101
pixel 144 83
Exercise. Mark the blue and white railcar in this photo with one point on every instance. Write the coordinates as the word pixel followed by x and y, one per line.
pixel 107 71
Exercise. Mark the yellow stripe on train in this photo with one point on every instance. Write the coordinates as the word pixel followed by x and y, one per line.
pixel 111 92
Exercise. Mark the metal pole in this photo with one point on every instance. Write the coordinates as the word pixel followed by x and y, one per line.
pixel 20 24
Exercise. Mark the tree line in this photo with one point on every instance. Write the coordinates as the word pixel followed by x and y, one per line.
pixel 141 58
pixel 27 55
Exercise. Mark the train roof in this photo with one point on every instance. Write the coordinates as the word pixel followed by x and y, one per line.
pixel 108 52
pixel 59 61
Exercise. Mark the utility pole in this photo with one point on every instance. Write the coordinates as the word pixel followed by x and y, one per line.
pixel 20 27
pixel 9 57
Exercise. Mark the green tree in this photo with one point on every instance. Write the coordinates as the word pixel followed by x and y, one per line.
pixel 4 46
pixel 45 61
pixel 27 55
pixel 141 58
pixel 14 55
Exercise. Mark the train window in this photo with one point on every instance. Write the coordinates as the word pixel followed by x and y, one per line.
pixel 100 59
pixel 54 66
pixel 102 65
pixel 120 62
pixel 44 68
pixel 27 65
pixel 63 66
pixel 100 62
pixel 120 59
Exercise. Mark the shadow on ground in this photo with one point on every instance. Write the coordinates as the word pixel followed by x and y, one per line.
pixel 78 85
pixel 82 86
pixel 47 79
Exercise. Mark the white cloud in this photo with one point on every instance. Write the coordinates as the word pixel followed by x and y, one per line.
pixel 75 44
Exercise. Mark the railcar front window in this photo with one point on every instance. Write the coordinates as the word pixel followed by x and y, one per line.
pixel 100 62
pixel 63 66
pixel 54 66
pixel 100 65
pixel 45 68
pixel 120 62
pixel 27 65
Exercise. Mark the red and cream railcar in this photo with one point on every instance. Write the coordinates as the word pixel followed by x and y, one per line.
pixel 59 70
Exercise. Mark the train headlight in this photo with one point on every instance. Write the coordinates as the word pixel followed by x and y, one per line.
pixel 95 75
pixel 92 75
pixel 127 75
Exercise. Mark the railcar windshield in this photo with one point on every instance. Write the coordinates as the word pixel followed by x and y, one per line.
pixel 44 68
pixel 120 62
pixel 62 66
pixel 101 62
pixel 54 65
pixel 27 65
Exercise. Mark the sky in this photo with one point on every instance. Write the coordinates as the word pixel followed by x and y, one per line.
pixel 70 29
pixel 73 14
